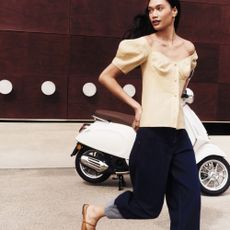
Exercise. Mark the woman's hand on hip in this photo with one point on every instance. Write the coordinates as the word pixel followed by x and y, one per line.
pixel 137 117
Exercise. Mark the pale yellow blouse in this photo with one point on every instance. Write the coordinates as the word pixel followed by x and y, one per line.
pixel 163 81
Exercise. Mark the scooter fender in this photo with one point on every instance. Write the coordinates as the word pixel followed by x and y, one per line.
pixel 206 150
pixel 108 137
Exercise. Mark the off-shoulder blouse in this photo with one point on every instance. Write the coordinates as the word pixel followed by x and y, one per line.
pixel 163 80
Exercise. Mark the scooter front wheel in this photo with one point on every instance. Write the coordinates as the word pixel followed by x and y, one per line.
pixel 214 175
pixel 88 173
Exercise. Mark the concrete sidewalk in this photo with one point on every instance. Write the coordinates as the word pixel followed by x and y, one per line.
pixel 49 144
pixel 40 189
pixel 51 199
pixel 37 144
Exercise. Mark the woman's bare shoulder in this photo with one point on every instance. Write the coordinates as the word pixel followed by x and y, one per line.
pixel 149 39
pixel 189 46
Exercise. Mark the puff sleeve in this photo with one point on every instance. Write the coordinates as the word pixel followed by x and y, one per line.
pixel 130 54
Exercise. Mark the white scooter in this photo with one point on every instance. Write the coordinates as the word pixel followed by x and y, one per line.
pixel 103 149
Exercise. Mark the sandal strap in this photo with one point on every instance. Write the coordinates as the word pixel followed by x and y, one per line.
pixel 93 225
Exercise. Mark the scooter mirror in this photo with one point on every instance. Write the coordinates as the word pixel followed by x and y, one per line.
pixel 188 96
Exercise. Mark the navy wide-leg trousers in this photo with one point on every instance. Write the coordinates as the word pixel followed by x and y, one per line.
pixel 162 163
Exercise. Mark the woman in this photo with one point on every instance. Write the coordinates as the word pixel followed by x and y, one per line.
pixel 162 160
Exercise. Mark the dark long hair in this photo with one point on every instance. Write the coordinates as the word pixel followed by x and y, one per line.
pixel 142 26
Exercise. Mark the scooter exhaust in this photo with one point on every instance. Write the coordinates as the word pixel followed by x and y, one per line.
pixel 94 163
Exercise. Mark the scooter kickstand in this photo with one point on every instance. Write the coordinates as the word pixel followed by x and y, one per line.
pixel 121 182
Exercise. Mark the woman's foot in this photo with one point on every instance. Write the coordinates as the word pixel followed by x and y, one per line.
pixel 91 214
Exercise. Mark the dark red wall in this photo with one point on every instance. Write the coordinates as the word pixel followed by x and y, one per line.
pixel 69 42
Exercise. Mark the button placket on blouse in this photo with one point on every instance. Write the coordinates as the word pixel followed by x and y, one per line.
pixel 176 93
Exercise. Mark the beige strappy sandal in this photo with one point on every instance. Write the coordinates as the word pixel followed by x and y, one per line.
pixel 84 223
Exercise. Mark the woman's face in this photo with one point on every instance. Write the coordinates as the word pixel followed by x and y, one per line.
pixel 161 14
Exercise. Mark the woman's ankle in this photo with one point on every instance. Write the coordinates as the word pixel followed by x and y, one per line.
pixel 95 213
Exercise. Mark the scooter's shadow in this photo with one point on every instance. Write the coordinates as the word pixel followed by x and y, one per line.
pixel 113 182
pixel 225 194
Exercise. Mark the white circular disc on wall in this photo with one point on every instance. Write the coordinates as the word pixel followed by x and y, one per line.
pixel 130 89
pixel 89 89
pixel 6 87
pixel 48 88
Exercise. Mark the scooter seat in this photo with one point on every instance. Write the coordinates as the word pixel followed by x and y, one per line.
pixel 114 116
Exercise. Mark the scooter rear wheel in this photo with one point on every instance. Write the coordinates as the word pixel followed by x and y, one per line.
pixel 214 175
pixel 86 173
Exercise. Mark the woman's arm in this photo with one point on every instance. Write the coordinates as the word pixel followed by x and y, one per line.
pixel 108 79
